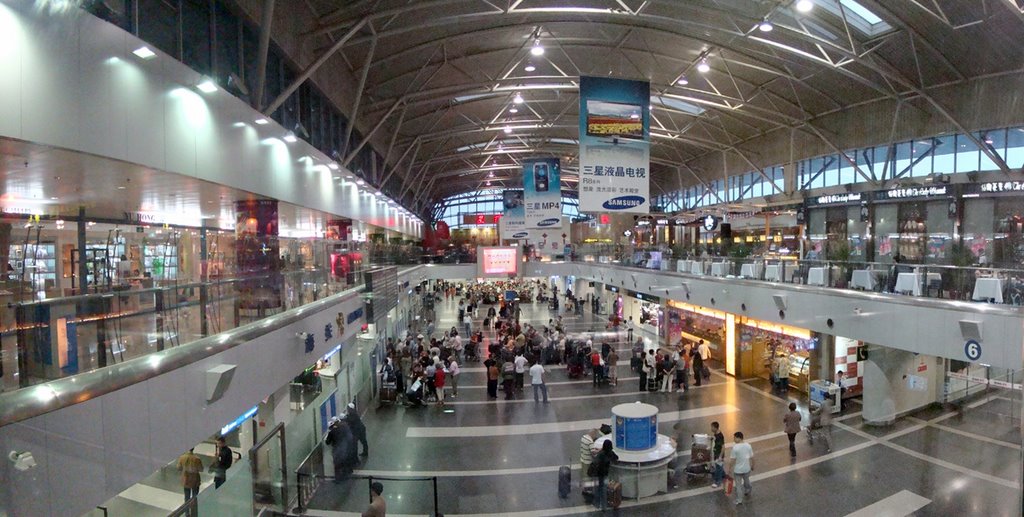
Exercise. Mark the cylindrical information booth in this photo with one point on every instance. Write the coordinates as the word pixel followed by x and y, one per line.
pixel 643 453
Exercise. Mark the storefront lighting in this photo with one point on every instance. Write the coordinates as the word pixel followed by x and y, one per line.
pixel 144 52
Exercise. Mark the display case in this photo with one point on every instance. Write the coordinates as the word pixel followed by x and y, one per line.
pixel 161 261
pixel 34 263
pixel 799 372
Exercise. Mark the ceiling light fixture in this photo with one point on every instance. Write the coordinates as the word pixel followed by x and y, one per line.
pixel 144 52
pixel 261 121
pixel 360 182
pixel 518 99
pixel 804 6
pixel 683 81
pixel 508 130
pixel 513 110
pixel 206 85
pixel 537 49
pixel 765 26
pixel 333 166
pixel 530 67
pixel 703 67
pixel 290 137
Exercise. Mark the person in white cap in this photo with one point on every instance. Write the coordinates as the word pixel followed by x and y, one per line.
pixel 357 426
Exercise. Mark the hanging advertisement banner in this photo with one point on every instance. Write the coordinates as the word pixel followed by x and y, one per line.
pixel 513 219
pixel 550 241
pixel 542 192
pixel 615 145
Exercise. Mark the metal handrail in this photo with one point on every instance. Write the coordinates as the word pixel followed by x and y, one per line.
pixel 40 399
pixel 934 303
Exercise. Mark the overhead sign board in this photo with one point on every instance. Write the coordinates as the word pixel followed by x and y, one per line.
pixel 615 147
pixel 542 192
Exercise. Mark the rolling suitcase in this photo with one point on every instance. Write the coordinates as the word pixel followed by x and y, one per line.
pixel 652 383
pixel 564 481
pixel 614 494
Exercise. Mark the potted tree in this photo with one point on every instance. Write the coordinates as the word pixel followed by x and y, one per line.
pixel 960 280
pixel 840 252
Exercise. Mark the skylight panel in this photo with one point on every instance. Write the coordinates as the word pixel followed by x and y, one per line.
pixel 678 105
pixel 861 11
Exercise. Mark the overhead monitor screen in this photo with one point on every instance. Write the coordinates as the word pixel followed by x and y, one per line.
pixel 498 261
pixel 614 119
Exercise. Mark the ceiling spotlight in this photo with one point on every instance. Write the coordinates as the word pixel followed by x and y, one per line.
pixel 683 81
pixel 207 85
pixel 804 6
pixel 261 121
pixel 360 182
pixel 143 52
pixel 508 130
pixel 513 110
pixel 518 99
pixel 988 140
pixel 765 26
pixel 490 174
pixel 290 137
pixel 488 183
pixel 703 67
pixel 333 166
pixel 530 67
pixel 537 50
pixel 378 194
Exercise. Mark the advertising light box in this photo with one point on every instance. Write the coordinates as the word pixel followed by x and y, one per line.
pixel 495 261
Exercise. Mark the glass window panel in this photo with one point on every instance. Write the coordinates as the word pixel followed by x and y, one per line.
pixel 831 175
pixel 195 29
pixel 979 216
pixel 886 233
pixel 227 50
pixel 902 160
pixel 967 154
pixel 995 141
pixel 940 231
pixel 1015 148
pixel 159 25
pixel 922 154
pixel 944 156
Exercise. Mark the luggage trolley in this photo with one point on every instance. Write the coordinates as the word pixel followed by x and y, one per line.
pixel 700 464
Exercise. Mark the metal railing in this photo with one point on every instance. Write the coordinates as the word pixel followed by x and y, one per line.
pixel 40 399
pixel 308 476
pixel 189 509
pixel 976 284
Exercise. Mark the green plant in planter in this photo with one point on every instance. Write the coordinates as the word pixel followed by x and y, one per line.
pixel 961 256
pixel 740 251
pixel 840 252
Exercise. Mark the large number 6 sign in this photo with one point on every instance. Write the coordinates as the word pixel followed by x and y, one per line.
pixel 972 349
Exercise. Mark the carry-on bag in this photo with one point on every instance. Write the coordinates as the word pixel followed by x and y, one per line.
pixel 564 481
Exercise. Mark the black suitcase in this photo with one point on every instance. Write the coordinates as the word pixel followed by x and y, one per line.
pixel 564 481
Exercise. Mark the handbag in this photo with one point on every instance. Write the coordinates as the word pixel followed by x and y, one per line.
pixel 729 485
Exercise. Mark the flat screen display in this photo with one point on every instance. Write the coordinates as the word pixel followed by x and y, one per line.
pixel 498 261
pixel 614 119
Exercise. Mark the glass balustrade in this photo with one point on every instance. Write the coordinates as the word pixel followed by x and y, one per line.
pixel 44 340
pixel 972 284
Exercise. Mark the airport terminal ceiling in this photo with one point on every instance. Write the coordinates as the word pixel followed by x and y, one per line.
pixel 730 79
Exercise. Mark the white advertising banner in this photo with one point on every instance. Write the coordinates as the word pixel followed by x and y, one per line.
pixel 615 147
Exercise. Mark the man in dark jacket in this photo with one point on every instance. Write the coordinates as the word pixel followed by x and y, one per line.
pixel 358 427
pixel 343 447
pixel 224 459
